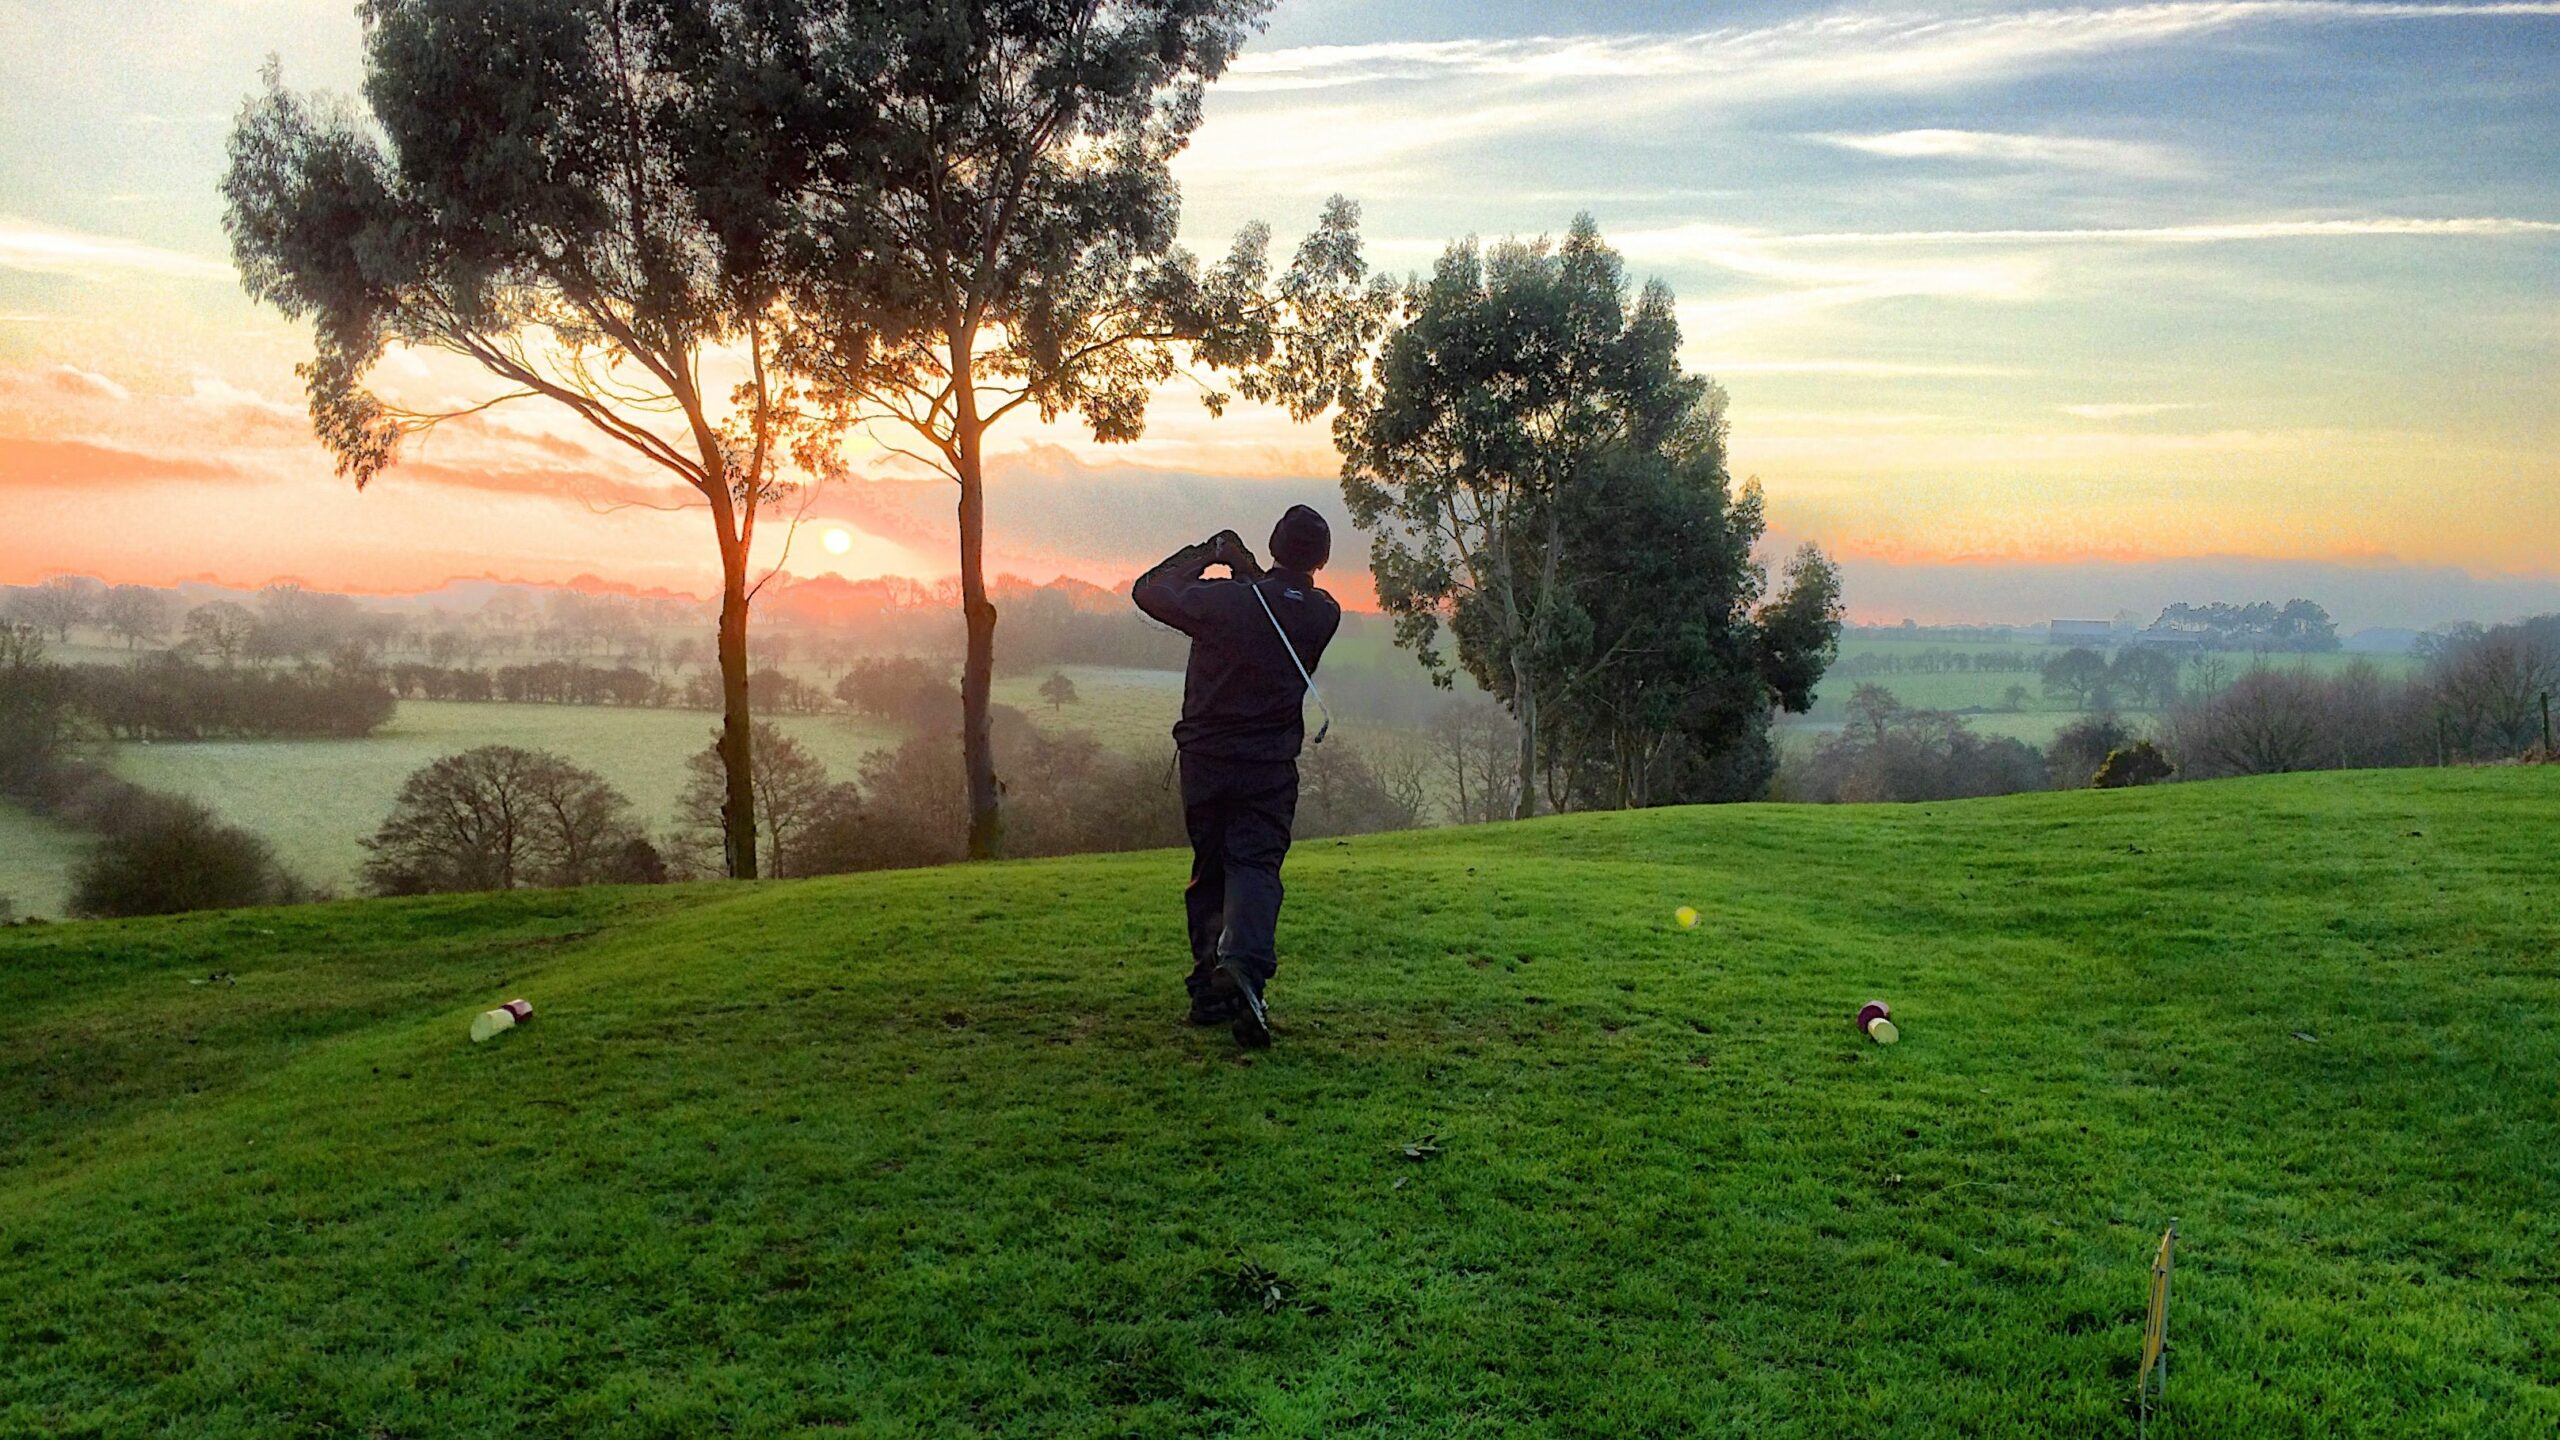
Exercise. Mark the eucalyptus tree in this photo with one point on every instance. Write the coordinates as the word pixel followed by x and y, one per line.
pixel 1679 652
pixel 528 185
pixel 1511 370
pixel 1543 481
pixel 991 214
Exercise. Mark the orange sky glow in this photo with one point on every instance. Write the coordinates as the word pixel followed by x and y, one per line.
pixel 1972 320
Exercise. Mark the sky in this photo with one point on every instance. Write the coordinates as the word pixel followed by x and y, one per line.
pixel 2024 310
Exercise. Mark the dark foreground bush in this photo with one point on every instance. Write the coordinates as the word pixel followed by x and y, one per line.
pixel 166 854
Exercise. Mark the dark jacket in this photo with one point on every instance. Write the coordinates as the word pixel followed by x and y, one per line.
pixel 1241 698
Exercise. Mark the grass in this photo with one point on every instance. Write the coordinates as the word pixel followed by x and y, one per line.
pixel 315 799
pixel 926 1153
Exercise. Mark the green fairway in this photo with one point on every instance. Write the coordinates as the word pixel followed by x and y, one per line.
pixel 926 1153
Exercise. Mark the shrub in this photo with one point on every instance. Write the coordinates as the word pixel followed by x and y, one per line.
pixel 2079 748
pixel 2139 763
pixel 168 854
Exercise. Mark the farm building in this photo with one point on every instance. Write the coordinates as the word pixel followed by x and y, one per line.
pixel 2081 632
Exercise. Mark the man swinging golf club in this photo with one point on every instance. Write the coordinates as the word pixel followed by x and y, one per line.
pixel 1255 641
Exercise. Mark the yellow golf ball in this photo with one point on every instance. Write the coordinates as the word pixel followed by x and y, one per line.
pixel 1687 916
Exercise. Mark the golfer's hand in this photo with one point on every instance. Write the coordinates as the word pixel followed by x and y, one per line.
pixel 1230 551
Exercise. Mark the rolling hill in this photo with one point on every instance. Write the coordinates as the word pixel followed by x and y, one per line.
pixel 929 1153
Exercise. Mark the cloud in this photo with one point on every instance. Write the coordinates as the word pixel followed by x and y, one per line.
pixel 88 384
pixel 2396 226
pixel 1854 52
pixel 84 465
pixel 45 249
pixel 596 493
pixel 2064 151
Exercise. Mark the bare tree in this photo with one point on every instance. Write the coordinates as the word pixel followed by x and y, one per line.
pixel 497 818
pixel 1475 749
pixel 2488 685
pixel 57 604
pixel 2268 722
pixel 791 793
pixel 136 612
pixel 223 627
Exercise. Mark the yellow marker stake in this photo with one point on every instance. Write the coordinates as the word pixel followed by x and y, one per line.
pixel 2153 1379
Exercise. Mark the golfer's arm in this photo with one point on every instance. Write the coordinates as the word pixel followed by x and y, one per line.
pixel 1160 591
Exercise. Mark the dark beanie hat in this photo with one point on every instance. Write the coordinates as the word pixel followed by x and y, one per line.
pixel 1302 541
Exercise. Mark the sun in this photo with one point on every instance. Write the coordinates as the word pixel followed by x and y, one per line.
pixel 837 541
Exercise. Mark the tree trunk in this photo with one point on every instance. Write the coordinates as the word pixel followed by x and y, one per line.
pixel 1527 699
pixel 977 668
pixel 737 726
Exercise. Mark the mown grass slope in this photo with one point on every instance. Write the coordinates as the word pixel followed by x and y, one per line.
pixel 928 1154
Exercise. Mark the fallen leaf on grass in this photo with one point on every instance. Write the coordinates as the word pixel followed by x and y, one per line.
pixel 1423 1149
pixel 2306 1037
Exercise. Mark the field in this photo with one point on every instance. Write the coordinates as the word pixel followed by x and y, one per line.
pixel 1131 710
pixel 927 1153
pixel 314 799
pixel 1981 691
pixel 36 856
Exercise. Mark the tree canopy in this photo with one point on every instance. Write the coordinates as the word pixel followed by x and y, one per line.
pixel 984 215
pixel 528 188
pixel 1547 485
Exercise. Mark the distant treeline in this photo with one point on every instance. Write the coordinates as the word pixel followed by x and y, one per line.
pixel 572 682
pixel 2483 696
pixel 165 698
pixel 2297 625
pixel 826 621
pixel 1935 661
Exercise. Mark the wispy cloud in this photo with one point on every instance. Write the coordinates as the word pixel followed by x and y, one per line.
pixel 2063 151
pixel 2465 226
pixel 1848 50
pixel 87 384
pixel 26 245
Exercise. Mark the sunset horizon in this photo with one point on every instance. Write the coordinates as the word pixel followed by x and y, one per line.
pixel 2001 299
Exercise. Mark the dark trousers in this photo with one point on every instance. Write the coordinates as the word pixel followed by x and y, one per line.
pixel 1238 813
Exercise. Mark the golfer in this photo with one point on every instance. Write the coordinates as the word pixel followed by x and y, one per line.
pixel 1255 641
